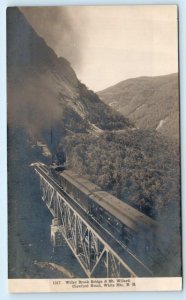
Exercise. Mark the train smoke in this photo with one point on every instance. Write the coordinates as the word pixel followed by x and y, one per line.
pixel 35 78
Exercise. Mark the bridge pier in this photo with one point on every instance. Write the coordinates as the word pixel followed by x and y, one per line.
pixel 56 236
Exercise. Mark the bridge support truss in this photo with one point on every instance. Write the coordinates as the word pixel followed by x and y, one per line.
pixel 93 253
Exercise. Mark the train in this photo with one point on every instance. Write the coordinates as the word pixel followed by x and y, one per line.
pixel 133 229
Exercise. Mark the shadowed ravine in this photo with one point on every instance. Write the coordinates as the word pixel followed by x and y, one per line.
pixel 30 250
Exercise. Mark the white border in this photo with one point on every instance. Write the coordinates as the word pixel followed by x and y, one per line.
pixel 95 285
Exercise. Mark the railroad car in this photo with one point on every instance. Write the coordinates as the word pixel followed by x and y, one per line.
pixel 136 230
pixel 82 190
pixel 77 187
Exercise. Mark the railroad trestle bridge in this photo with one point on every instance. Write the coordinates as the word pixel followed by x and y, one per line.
pixel 96 251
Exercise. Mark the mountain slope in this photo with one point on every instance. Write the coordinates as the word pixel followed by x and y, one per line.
pixel 151 102
pixel 44 93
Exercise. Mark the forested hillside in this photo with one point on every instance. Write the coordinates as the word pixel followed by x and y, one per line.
pixel 150 102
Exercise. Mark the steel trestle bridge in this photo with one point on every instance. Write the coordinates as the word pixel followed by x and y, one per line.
pixel 96 250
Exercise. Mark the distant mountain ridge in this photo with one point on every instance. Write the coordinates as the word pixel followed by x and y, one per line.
pixel 150 102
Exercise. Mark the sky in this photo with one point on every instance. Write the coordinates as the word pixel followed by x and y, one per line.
pixel 108 44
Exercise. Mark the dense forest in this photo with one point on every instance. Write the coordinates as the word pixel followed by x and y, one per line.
pixel 140 167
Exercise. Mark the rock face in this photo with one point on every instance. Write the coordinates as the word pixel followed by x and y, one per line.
pixel 151 102
pixel 44 93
